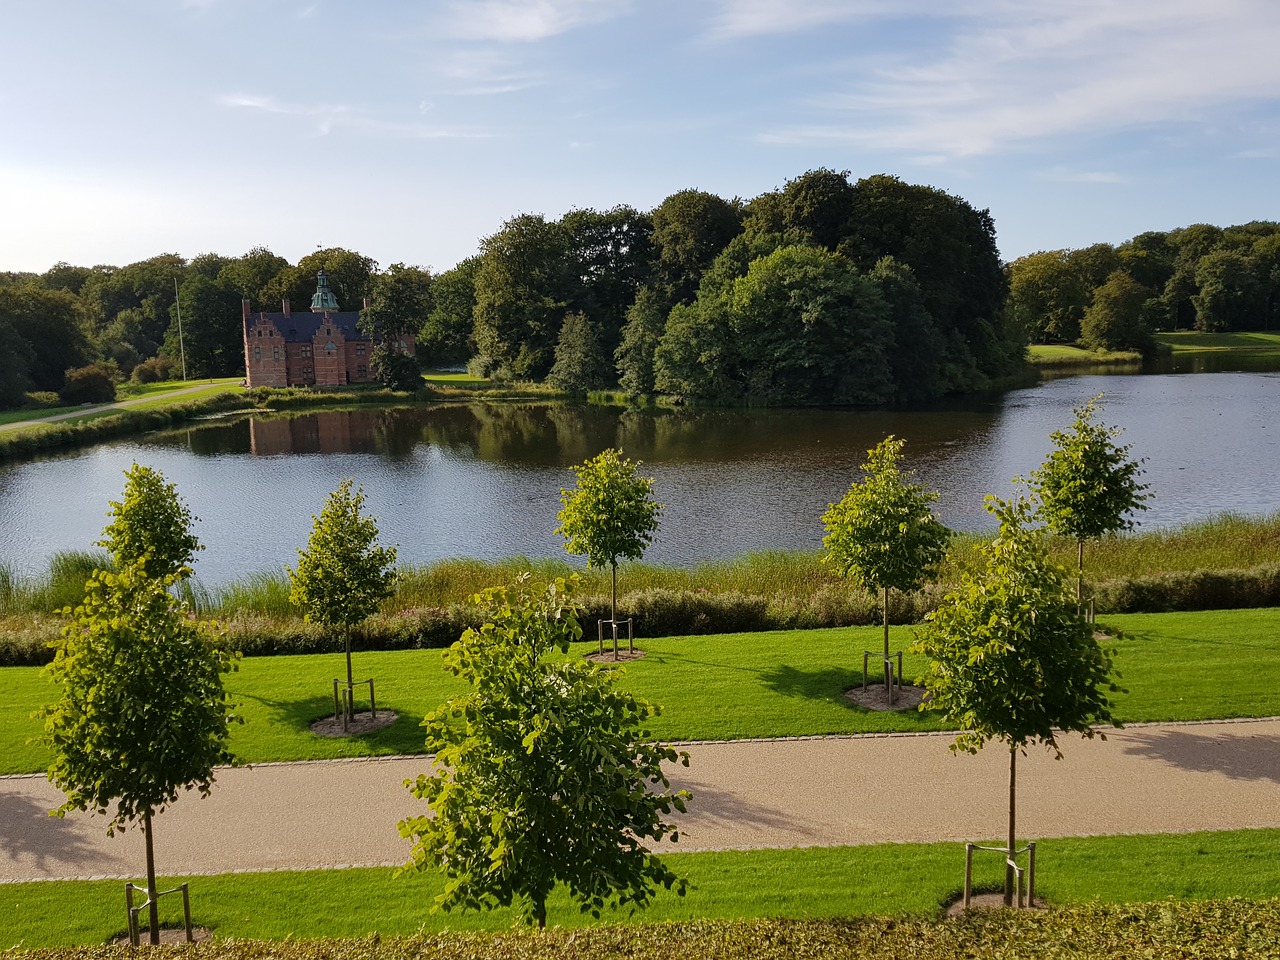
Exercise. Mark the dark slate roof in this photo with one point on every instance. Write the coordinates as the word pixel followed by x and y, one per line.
pixel 301 327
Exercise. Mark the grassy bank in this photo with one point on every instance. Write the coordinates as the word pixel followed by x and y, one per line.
pixel 1195 666
pixel 1065 355
pixel 907 882
pixel 1263 344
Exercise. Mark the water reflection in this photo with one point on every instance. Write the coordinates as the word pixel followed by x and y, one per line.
pixel 483 479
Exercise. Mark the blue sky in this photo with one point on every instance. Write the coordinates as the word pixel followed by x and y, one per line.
pixel 410 130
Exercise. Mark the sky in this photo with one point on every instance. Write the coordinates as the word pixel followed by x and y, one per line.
pixel 410 131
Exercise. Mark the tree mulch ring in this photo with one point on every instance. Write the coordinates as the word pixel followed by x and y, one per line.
pixel 361 723
pixel 988 901
pixel 607 657
pixel 168 935
pixel 874 697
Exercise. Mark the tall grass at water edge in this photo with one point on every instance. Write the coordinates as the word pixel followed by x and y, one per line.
pixel 784 578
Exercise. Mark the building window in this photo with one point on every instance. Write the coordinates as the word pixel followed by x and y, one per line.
pixel 307 373
pixel 359 349
pixel 306 349
pixel 275 353
pixel 257 352
pixel 329 347
pixel 361 371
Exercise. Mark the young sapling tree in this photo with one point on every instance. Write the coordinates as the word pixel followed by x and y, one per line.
pixel 143 714
pixel 343 574
pixel 544 773
pixel 883 535
pixel 1011 657
pixel 610 515
pixel 1088 486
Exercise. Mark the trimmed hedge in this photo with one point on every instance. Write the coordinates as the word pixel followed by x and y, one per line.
pixel 1158 931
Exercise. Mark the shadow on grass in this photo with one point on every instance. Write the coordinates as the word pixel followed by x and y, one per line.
pixel 403 736
pixel 1240 758
pixel 828 683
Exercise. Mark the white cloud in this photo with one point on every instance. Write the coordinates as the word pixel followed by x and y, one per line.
pixel 746 18
pixel 1016 74
pixel 526 21
pixel 330 118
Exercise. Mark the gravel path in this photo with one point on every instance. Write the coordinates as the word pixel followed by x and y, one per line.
pixel 1161 778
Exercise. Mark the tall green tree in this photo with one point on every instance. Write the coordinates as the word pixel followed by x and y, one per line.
pixel 690 228
pixel 545 772
pixel 883 533
pixel 445 337
pixel 522 289
pixel 1011 657
pixel 150 524
pixel 646 319
pixel 343 574
pixel 143 714
pixel 1088 485
pixel 1115 318
pixel 610 515
pixel 1048 295
pixel 581 359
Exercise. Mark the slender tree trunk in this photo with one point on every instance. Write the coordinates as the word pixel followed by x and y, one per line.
pixel 351 690
pixel 1013 809
pixel 153 915
pixel 613 608
pixel 540 912
pixel 888 680
pixel 1080 577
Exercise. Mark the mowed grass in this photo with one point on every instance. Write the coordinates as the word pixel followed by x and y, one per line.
pixel 1065 355
pixel 1190 341
pixel 880 880
pixel 1182 666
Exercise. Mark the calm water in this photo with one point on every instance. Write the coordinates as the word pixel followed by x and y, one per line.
pixel 484 480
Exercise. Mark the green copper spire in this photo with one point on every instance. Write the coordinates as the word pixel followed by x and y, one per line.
pixel 324 298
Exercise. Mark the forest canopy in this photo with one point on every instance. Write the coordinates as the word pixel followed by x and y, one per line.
pixel 823 291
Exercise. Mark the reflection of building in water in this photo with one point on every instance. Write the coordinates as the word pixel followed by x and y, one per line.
pixel 324 347
pixel 333 431
pixel 315 433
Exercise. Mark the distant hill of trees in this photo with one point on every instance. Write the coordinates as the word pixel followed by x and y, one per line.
pixel 824 291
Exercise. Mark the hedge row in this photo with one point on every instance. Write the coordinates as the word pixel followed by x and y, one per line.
pixel 662 613
pixel 1158 931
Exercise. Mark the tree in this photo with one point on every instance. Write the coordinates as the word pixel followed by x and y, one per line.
pixel 150 524
pixel 521 292
pixel 343 574
pixel 212 330
pixel 646 319
pixel 883 534
pixel 445 337
pixel 544 772
pixel 1088 486
pixel 690 228
pixel 581 361
pixel 1114 320
pixel 143 714
pixel 1011 658
pixel 1048 294
pixel 610 515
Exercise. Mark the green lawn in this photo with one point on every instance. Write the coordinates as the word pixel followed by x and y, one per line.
pixel 1180 666
pixel 882 880
pixel 158 392
pixel 1064 355
pixel 454 378
pixel 1190 341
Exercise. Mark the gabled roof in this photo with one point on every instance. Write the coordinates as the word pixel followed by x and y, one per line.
pixel 302 327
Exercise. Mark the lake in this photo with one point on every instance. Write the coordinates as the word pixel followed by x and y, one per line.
pixel 483 480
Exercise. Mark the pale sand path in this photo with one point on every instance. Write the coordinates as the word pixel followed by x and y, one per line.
pixel 1161 778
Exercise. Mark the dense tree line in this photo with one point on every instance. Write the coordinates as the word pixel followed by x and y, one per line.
pixel 824 291
pixel 1199 277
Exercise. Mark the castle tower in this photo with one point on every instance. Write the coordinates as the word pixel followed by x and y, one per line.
pixel 324 300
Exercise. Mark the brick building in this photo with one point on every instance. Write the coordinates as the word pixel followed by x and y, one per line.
pixel 323 347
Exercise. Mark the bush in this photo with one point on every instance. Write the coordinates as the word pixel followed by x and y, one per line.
pixel 95 383
pixel 155 370
pixel 1191 590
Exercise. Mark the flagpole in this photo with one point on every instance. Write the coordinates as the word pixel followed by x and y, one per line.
pixel 181 346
